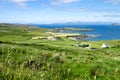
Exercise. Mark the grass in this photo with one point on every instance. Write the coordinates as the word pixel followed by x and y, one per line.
pixel 22 58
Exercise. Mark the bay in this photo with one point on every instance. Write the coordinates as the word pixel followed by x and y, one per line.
pixel 105 32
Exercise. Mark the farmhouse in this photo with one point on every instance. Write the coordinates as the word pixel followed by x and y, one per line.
pixel 105 45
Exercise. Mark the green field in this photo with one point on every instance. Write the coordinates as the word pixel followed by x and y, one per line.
pixel 23 58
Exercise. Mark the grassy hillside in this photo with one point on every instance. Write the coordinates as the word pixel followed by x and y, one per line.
pixel 22 58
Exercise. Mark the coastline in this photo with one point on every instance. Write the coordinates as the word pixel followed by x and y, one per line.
pixel 104 32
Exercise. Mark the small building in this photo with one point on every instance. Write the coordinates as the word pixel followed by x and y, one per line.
pixel 105 45
pixel 81 45
pixel 84 45
pixel 75 45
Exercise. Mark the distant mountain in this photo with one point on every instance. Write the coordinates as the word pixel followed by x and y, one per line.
pixel 84 23
pixel 10 25
pixel 116 24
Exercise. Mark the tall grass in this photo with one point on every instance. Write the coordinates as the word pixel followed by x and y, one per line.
pixel 24 59
pixel 23 62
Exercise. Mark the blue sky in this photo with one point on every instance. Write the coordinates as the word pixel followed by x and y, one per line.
pixel 59 11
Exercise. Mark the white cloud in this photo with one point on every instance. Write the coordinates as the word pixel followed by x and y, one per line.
pixel 114 1
pixel 111 15
pixel 22 3
pixel 108 15
pixel 58 2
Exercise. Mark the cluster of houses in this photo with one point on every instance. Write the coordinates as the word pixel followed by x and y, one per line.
pixel 105 45
pixel 81 45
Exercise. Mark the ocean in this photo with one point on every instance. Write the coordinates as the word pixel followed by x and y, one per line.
pixel 105 32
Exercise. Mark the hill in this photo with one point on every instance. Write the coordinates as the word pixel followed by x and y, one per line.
pixel 24 58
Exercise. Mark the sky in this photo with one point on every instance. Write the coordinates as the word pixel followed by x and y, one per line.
pixel 59 11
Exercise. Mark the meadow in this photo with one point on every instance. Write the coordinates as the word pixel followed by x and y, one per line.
pixel 23 58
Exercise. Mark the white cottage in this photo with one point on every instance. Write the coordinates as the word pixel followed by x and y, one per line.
pixel 105 45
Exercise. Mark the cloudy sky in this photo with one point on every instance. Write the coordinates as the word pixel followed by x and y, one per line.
pixel 59 11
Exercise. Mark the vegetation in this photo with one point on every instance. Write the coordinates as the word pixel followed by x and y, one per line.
pixel 22 58
pixel 71 29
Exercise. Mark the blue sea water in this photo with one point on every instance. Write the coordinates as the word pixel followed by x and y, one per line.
pixel 106 32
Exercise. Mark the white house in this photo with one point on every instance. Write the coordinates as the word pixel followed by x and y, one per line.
pixel 105 45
